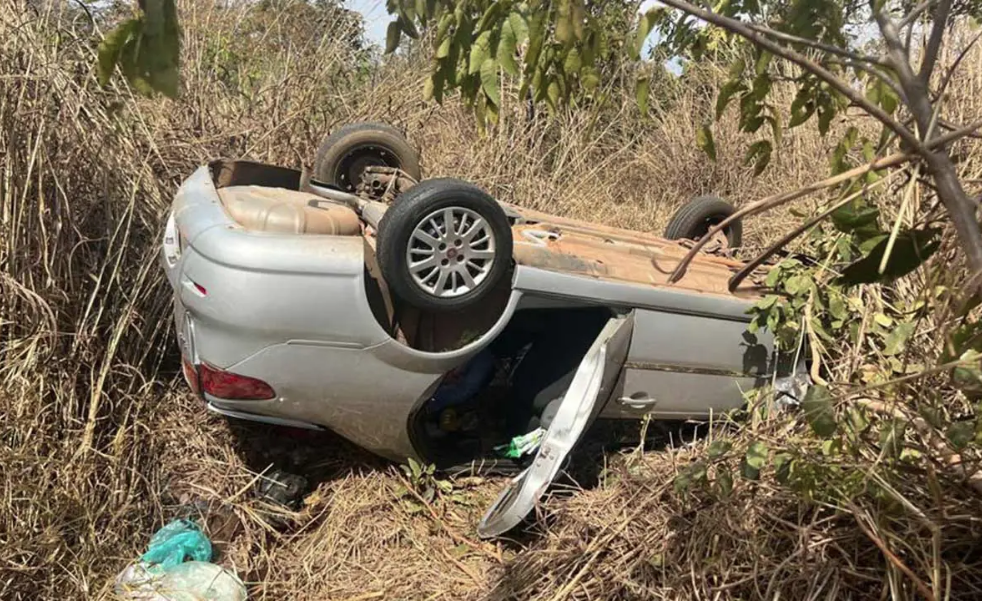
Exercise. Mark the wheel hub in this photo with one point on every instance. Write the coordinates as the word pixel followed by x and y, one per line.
pixel 450 252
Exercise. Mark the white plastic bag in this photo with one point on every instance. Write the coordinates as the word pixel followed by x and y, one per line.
pixel 192 580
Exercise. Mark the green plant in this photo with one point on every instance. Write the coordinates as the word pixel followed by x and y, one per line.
pixel 423 487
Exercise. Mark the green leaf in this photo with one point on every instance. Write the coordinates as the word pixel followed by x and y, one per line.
pixel 694 473
pixel 819 413
pixel 837 307
pixel 489 80
pixel 429 88
pixel 911 249
pixel 718 448
pixel 870 243
pixel 705 142
pixel 506 50
pixel 759 154
pixel 444 26
pixel 519 27
pixel 783 463
pixel 798 283
pixel 590 79
pixel 415 468
pixel 754 460
pixel 645 24
pixel 392 35
pixel 443 51
pixel 802 108
pixel 480 52
pixel 880 93
pixel 855 215
pixel 146 49
pixel 897 338
pixel 536 40
pixel 577 18
pixel 564 23
pixel 111 48
pixel 726 94
pixel 736 69
pixel 960 434
pixel 572 64
pixel 488 18
pixel 767 302
pixel 838 162
pixel 724 480
pixel 642 88
pixel 826 111
pixel 553 93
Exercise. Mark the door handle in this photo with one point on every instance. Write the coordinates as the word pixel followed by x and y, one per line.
pixel 638 402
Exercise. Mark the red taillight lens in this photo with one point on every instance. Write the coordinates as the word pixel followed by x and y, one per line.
pixel 191 376
pixel 228 385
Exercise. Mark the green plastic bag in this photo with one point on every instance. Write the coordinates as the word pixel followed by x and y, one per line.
pixel 175 542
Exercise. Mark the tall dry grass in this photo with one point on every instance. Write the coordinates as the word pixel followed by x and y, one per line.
pixel 98 443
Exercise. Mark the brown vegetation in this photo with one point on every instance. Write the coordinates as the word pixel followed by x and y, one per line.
pixel 99 444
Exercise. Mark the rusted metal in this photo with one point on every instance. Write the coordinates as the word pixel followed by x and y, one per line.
pixel 598 251
pixel 660 367
pixel 383 183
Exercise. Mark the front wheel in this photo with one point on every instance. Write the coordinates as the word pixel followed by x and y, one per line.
pixel 444 244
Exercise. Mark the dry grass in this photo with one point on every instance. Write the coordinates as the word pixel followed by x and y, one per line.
pixel 98 446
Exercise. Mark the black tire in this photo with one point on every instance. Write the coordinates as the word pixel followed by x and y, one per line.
pixel 344 154
pixel 417 205
pixel 696 217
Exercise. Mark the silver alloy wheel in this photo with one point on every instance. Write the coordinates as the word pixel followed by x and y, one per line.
pixel 450 252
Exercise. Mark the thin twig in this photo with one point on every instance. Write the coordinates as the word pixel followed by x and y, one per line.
pixel 792 39
pixel 780 199
pixel 941 13
pixel 752 265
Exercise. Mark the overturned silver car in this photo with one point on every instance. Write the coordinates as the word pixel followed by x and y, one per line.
pixel 424 319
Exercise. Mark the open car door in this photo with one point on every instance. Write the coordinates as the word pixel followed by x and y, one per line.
pixel 590 387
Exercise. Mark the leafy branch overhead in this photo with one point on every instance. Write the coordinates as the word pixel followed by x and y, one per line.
pixel 146 48
pixel 555 51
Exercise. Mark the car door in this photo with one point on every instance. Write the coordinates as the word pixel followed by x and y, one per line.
pixel 682 366
pixel 590 388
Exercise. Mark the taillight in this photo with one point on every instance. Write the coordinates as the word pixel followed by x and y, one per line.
pixel 191 376
pixel 228 385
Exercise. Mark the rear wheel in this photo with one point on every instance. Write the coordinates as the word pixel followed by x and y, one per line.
pixel 344 155
pixel 696 217
pixel 444 244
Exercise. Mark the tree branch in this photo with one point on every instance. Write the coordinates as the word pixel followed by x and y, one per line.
pixel 742 29
pixel 941 13
pixel 792 39
pixel 916 12
pixel 755 263
pixel 961 209
pixel 878 73
pixel 780 199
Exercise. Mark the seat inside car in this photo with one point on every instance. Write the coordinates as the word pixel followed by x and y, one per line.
pixel 266 209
